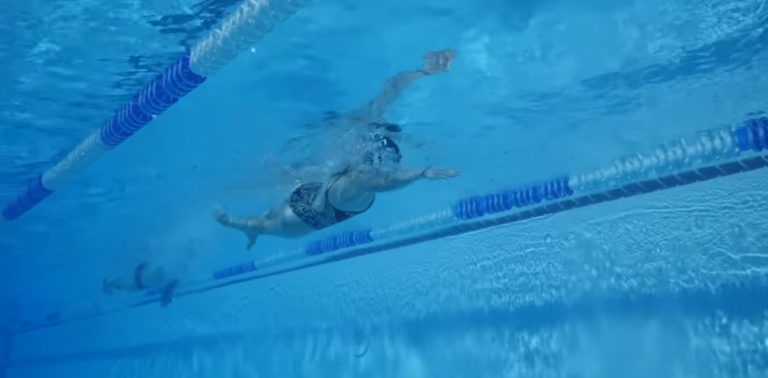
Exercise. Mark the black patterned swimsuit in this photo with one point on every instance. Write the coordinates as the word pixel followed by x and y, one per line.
pixel 303 199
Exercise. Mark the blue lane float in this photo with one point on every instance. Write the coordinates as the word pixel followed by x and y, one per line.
pixel 149 102
pixel 246 267
pixel 152 100
pixel 34 194
pixel 336 242
pixel 478 206
pixel 753 135
pixel 249 23
pixel 333 243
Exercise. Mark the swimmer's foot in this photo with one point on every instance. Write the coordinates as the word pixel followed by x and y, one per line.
pixel 247 226
pixel 252 235
pixel 438 61
pixel 167 296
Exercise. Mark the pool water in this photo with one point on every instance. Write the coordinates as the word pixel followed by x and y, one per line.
pixel 669 284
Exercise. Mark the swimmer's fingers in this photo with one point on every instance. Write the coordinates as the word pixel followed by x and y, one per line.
pixel 438 61
pixel 438 173
pixel 219 214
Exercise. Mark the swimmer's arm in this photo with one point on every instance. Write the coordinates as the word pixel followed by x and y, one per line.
pixel 435 62
pixel 403 178
pixel 394 87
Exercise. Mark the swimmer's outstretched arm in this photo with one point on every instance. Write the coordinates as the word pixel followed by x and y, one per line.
pixel 403 178
pixel 434 62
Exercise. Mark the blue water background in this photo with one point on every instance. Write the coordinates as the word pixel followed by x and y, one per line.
pixel 669 284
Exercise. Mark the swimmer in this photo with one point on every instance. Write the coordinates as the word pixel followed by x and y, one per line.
pixel 317 205
pixel 145 276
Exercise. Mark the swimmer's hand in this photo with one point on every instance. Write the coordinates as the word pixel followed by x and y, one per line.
pixel 438 173
pixel 219 214
pixel 438 61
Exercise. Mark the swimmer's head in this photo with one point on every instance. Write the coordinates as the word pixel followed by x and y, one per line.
pixel 382 152
pixel 388 127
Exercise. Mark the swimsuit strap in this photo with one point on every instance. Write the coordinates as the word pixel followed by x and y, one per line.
pixel 334 179
pixel 343 214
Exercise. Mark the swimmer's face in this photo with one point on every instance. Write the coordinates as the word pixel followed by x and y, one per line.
pixel 384 153
pixel 388 157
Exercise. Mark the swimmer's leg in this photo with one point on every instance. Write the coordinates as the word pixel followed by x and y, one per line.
pixel 168 293
pixel 110 285
pixel 251 226
pixel 435 62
